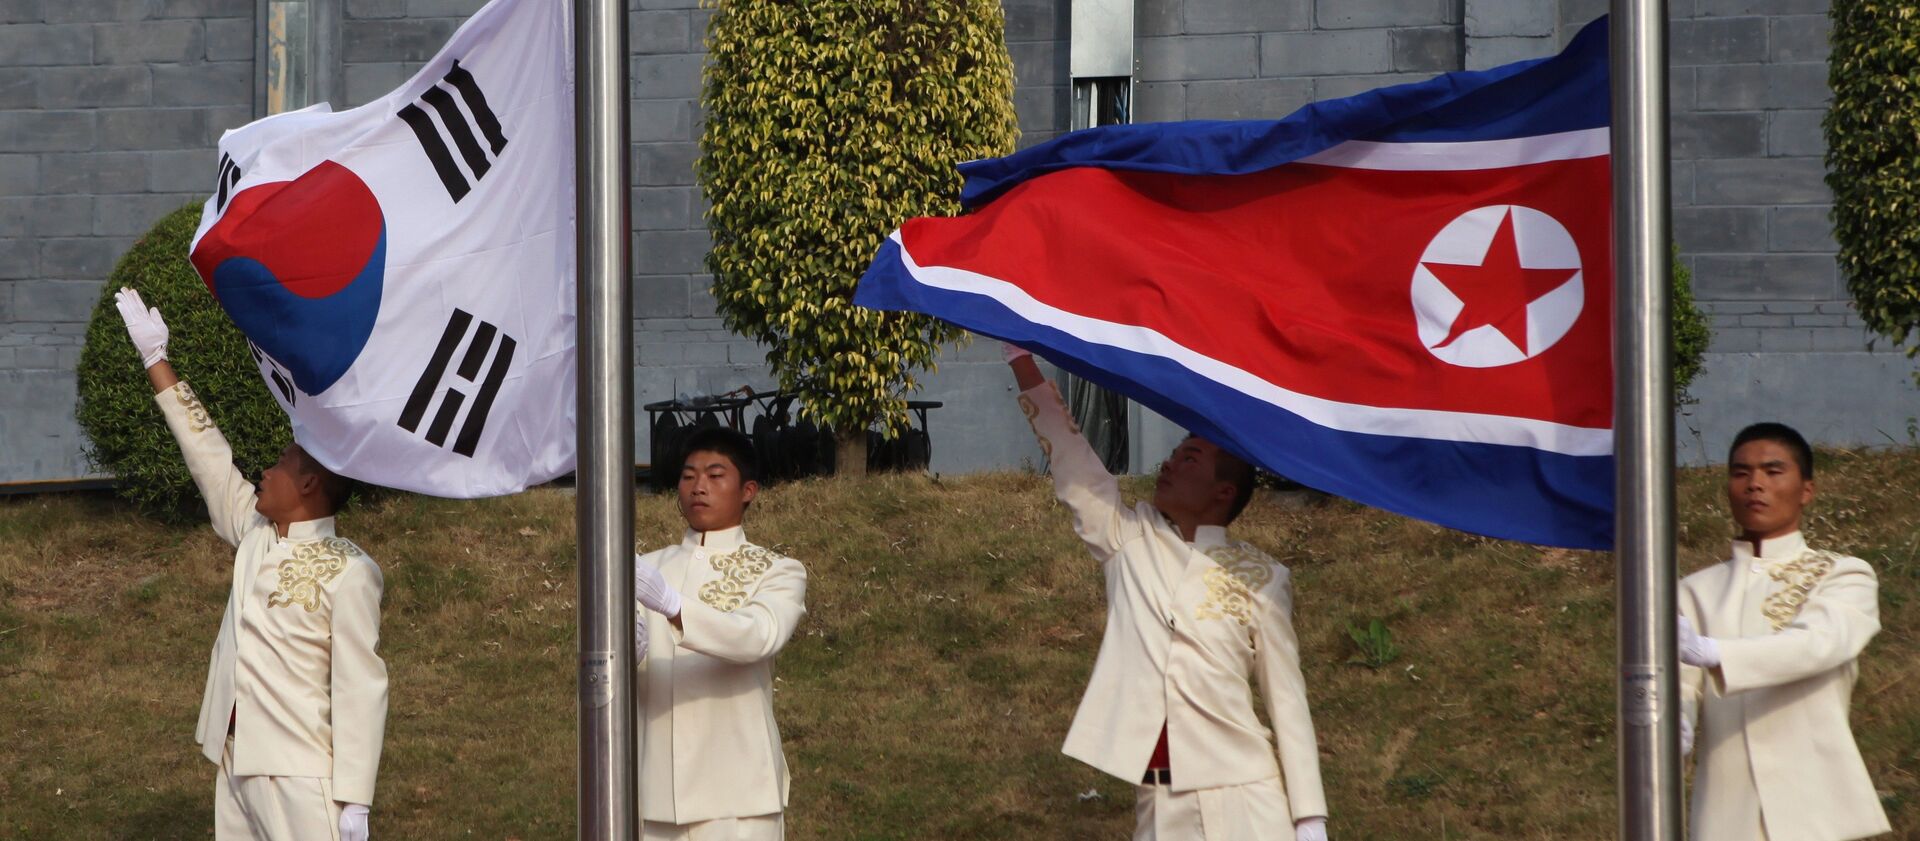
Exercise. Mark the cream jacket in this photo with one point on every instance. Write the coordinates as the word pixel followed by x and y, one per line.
pixel 709 747
pixel 1773 746
pixel 1189 625
pixel 294 665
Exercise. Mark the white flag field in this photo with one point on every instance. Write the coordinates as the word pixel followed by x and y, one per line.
pixel 404 270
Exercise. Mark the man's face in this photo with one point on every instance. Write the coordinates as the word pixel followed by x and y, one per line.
pixel 1187 483
pixel 1766 490
pixel 280 485
pixel 712 497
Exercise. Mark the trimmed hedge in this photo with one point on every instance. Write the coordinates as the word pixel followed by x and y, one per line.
pixel 1690 332
pixel 1873 160
pixel 828 123
pixel 127 435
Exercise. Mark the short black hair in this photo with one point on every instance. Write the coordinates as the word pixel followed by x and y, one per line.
pixel 733 444
pixel 1781 434
pixel 337 489
pixel 1228 467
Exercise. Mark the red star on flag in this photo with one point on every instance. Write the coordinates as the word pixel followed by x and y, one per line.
pixel 1497 291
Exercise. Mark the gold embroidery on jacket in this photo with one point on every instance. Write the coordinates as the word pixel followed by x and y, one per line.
pixel 1032 411
pixel 312 567
pixel 1800 576
pixel 738 570
pixel 1230 586
pixel 197 419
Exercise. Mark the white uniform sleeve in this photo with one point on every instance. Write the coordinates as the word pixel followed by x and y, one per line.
pixel 1692 678
pixel 1834 625
pixel 1276 663
pixel 1080 479
pixel 228 494
pixel 755 630
pixel 359 684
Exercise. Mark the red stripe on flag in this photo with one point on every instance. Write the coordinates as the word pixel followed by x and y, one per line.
pixel 1301 275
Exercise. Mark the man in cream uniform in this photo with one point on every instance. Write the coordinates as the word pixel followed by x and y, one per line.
pixel 296 699
pixel 1768 642
pixel 1192 616
pixel 711 768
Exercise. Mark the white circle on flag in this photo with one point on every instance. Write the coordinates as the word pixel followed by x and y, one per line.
pixel 1541 244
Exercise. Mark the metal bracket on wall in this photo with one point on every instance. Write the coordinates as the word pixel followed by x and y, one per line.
pixel 296 55
pixel 1100 62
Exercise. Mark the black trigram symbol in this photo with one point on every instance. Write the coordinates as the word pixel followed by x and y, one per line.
pixel 481 342
pixel 457 126
pixel 282 381
pixel 229 176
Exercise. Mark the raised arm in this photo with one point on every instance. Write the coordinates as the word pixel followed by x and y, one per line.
pixel 1080 479
pixel 229 496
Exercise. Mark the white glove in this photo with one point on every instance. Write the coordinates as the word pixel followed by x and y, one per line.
pixel 144 327
pixel 650 588
pixel 1686 736
pixel 353 822
pixel 1696 650
pixel 1012 352
pixel 1310 829
pixel 639 635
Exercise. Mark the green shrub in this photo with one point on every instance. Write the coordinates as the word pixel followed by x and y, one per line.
pixel 828 123
pixel 1690 331
pixel 1374 644
pixel 1873 160
pixel 126 434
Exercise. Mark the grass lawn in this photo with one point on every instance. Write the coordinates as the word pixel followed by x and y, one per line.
pixel 953 623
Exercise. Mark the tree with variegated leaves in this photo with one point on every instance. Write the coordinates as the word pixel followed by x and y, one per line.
pixel 828 123
pixel 1873 161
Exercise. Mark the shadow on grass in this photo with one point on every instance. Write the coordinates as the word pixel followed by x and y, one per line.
pixel 167 815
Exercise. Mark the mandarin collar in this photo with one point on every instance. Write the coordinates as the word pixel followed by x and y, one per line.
pixel 1207 537
pixel 719 540
pixel 310 529
pixel 1772 550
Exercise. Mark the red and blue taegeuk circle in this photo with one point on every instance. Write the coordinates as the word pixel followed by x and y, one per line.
pixel 298 265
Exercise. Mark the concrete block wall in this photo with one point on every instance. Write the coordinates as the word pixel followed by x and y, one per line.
pixel 1204 59
pixel 1750 217
pixel 109 111
pixel 1750 206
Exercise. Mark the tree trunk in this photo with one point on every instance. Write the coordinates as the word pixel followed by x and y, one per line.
pixel 850 453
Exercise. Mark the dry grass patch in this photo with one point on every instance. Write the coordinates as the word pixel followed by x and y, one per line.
pixel 952 625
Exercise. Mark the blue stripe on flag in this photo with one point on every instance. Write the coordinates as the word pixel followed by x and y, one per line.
pixel 1561 93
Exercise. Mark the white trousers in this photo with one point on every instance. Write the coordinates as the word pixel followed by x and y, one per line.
pixel 757 828
pixel 1251 812
pixel 261 808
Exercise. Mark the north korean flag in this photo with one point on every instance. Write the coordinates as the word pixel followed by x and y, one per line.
pixel 1401 297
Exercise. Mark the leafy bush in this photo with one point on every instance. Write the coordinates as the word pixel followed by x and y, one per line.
pixel 126 434
pixel 1374 644
pixel 1690 331
pixel 1873 160
pixel 828 123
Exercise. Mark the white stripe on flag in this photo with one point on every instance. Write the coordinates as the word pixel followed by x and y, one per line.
pixel 1465 155
pixel 1429 424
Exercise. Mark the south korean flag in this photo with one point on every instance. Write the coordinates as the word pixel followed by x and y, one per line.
pixel 404 271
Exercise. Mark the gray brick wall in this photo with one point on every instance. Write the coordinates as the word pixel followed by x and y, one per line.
pixel 1750 205
pixel 109 111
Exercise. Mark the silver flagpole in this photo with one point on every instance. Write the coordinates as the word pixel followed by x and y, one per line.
pixel 604 480
pixel 1643 426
